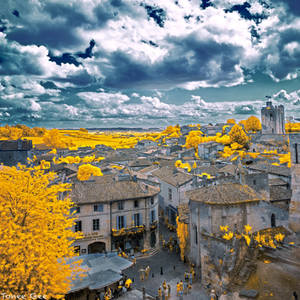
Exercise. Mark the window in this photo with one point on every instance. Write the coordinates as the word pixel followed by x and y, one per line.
pixel 77 226
pixel 254 182
pixel 77 250
pixel 196 234
pixel 120 222
pixel 96 224
pixel 152 217
pixel 152 200
pixel 120 205
pixel 98 207
pixel 137 219
pixel 136 203
pixel 170 194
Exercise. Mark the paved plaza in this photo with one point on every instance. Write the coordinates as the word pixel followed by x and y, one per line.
pixel 164 265
pixel 172 271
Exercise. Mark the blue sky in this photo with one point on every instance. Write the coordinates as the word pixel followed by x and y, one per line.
pixel 149 63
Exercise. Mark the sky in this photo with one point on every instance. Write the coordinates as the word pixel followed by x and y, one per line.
pixel 128 63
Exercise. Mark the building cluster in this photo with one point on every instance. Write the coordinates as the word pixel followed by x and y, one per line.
pixel 120 210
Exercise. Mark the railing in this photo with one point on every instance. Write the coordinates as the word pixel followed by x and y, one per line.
pixel 128 231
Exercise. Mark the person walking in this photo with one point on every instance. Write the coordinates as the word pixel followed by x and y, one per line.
pixel 177 288
pixel 169 291
pixel 191 278
pixel 159 292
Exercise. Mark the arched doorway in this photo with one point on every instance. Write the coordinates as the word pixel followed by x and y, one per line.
pixel 153 239
pixel 97 247
pixel 273 220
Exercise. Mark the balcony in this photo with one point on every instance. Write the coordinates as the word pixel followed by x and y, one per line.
pixel 128 231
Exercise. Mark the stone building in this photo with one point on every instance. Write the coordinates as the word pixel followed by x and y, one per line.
pixel 294 213
pixel 14 151
pixel 173 184
pixel 231 204
pixel 272 119
pixel 115 211
pixel 209 150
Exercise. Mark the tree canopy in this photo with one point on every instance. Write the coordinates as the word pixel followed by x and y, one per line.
pixel 35 233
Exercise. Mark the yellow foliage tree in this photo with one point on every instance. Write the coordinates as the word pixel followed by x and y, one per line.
pixel 252 124
pixel 54 139
pixel 182 234
pixel 87 170
pixel 230 121
pixel 292 127
pixel 35 233
pixel 238 135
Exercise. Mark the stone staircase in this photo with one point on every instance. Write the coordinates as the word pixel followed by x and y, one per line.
pixel 285 253
pixel 149 253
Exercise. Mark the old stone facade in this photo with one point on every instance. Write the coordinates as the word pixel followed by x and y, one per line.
pixel 115 212
pixel 231 204
pixel 272 119
pixel 294 212
pixel 13 152
pixel 173 184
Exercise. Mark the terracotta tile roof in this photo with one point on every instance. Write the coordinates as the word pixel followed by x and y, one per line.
pixel 268 168
pixel 211 170
pixel 141 162
pixel 106 189
pixel 172 176
pixel 278 193
pixel 149 169
pixel 230 169
pixel 277 181
pixel 224 194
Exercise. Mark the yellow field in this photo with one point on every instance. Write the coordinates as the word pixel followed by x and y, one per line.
pixel 76 138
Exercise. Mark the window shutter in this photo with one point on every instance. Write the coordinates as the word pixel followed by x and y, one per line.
pixel 133 224
pixel 141 219
pixel 125 221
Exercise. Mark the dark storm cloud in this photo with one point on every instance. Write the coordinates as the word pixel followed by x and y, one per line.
pixel 13 61
pixel 16 13
pixel 80 78
pixel 244 12
pixel 54 35
pixel 65 58
pixel 72 15
pixel 48 84
pixel 288 53
pixel 54 24
pixel 88 50
pixel 206 3
pixel 3 25
pixel 68 58
pixel 293 6
pixel 189 60
pixel 157 14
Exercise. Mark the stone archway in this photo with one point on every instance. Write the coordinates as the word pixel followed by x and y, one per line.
pixel 96 247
